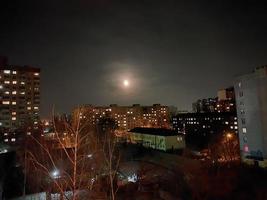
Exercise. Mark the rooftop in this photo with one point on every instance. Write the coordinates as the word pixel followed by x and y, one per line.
pixel 20 68
pixel 155 131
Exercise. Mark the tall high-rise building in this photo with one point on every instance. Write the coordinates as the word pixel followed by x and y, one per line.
pixel 251 101
pixel 19 97
pixel 224 102
pixel 204 105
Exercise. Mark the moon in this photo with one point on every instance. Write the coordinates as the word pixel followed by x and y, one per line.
pixel 126 83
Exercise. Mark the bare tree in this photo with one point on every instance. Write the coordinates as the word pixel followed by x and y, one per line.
pixel 224 148
pixel 74 157
pixel 67 158
pixel 106 131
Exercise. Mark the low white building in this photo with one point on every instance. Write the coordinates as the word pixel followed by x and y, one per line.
pixel 157 138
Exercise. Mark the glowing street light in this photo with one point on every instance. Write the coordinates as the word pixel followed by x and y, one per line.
pixel 55 174
pixel 229 136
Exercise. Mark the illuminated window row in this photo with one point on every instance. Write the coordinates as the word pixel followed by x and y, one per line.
pixel 8 102
pixel 12 140
pixel 8 82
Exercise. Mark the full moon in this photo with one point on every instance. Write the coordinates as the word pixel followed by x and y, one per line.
pixel 126 83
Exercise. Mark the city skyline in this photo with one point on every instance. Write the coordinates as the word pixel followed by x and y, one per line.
pixel 171 53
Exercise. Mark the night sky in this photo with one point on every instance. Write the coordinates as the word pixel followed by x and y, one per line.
pixel 172 52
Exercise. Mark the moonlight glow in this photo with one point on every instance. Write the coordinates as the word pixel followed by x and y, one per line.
pixel 126 83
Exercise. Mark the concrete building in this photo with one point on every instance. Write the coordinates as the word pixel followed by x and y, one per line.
pixel 198 128
pixel 157 138
pixel 204 105
pixel 224 102
pixel 126 117
pixel 251 96
pixel 19 98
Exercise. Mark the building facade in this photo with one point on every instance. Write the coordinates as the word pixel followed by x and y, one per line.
pixel 224 102
pixel 205 122
pixel 251 95
pixel 126 117
pixel 19 98
pixel 157 138
pixel 200 127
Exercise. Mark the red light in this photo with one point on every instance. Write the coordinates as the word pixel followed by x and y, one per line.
pixel 246 148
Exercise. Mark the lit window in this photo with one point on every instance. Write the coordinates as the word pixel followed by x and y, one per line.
pixel 36 74
pixel 14 113
pixel 13 118
pixel 235 123
pixel 35 122
pixel 14 72
pixel 1 86
pixel 236 127
pixel 29 108
pixel 14 102
pixel 35 108
pixel 5 134
pixel 22 83
pixel 240 84
pixel 6 140
pixel 14 82
pixel 6 71
pixel 6 82
pixel 22 93
pixel 29 133
pixel 14 92
pixel 6 92
pixel 13 139
pixel 5 102
pixel 226 122
pixel 244 130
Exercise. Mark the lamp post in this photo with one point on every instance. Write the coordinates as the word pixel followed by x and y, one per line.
pixel 229 136
pixel 55 174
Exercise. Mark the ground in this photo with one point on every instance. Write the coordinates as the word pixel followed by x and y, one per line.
pixel 167 176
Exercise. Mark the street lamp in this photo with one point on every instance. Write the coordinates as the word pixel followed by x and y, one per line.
pixel 55 174
pixel 229 136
